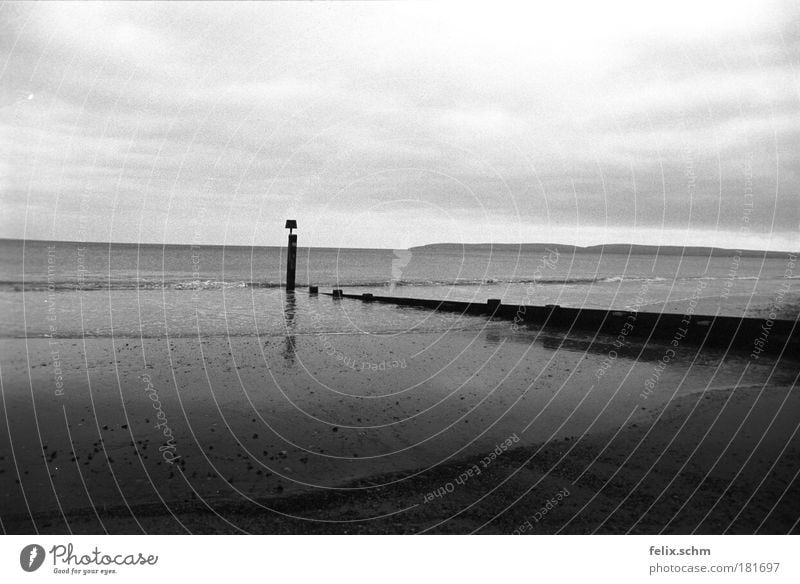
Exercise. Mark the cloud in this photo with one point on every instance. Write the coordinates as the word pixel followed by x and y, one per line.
pixel 592 119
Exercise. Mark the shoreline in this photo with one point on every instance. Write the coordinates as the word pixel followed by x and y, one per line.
pixel 565 486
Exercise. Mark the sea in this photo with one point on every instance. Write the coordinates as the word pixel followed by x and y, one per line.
pixel 68 289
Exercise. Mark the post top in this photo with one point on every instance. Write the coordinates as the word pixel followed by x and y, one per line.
pixel 291 224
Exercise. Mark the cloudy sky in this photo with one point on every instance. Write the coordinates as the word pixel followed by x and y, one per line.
pixel 391 125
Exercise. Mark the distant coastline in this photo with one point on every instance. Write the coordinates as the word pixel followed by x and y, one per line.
pixel 612 248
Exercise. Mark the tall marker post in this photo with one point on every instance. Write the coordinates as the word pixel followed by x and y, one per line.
pixel 291 256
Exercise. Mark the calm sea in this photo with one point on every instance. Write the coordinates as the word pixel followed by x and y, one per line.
pixel 74 289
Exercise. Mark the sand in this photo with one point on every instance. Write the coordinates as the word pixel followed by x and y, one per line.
pixel 378 434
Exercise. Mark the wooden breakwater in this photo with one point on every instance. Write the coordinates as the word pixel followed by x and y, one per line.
pixel 753 335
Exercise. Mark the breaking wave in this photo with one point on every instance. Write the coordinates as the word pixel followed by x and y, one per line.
pixel 201 285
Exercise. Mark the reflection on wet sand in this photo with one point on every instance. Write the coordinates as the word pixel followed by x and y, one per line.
pixel 289 313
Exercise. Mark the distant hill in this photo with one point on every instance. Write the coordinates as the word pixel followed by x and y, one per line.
pixel 611 248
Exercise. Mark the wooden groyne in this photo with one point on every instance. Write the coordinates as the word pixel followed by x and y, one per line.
pixel 753 335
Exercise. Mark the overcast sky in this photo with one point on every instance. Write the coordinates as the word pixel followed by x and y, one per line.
pixel 391 125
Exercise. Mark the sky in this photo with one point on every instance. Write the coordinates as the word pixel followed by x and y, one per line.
pixel 399 124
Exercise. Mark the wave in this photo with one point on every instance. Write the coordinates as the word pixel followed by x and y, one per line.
pixel 97 285
pixel 200 285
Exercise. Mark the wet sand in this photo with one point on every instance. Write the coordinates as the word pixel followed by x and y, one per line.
pixel 289 434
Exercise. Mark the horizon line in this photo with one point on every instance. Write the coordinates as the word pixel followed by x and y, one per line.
pixel 484 243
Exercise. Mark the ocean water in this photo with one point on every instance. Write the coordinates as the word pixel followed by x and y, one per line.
pixel 73 289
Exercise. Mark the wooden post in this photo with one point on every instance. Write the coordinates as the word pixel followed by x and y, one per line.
pixel 291 255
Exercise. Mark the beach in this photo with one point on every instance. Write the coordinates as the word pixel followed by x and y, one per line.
pixel 394 433
pixel 393 268
pixel 153 389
